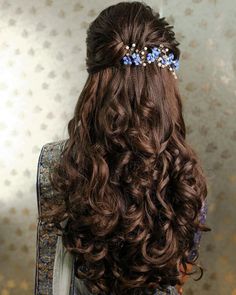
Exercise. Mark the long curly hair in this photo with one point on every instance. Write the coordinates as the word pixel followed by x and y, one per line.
pixel 132 186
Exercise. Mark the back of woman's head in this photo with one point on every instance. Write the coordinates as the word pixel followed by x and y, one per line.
pixel 131 184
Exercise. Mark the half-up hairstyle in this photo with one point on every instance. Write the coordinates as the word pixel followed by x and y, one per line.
pixel 132 186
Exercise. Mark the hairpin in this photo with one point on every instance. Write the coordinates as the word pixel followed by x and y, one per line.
pixel 160 53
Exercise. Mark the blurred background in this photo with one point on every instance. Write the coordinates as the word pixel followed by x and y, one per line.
pixel 42 62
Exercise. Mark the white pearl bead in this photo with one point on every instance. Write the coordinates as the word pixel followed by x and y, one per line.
pixel 145 48
pixel 133 44
pixel 127 47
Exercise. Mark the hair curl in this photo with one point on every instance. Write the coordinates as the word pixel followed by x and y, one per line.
pixel 132 186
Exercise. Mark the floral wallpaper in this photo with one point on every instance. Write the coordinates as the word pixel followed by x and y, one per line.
pixel 42 61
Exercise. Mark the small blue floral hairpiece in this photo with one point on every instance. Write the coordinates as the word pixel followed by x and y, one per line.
pixel 160 53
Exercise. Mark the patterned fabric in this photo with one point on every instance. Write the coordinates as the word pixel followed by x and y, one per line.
pixel 198 234
pixel 47 234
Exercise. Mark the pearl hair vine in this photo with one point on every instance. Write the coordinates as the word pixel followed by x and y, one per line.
pixel 145 56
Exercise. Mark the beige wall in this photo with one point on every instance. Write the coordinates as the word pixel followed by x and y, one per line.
pixel 42 64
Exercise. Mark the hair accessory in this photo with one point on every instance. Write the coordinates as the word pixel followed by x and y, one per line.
pixel 142 57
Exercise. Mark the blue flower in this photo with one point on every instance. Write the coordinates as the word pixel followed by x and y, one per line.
pixel 127 60
pixel 150 57
pixel 168 59
pixel 171 56
pixel 175 64
pixel 164 61
pixel 155 52
pixel 136 58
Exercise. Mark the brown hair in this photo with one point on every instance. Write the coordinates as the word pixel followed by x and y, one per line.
pixel 132 186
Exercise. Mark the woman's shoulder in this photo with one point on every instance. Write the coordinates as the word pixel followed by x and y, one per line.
pixel 51 151
pixel 49 155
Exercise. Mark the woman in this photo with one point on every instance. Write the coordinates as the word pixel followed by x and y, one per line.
pixel 122 201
